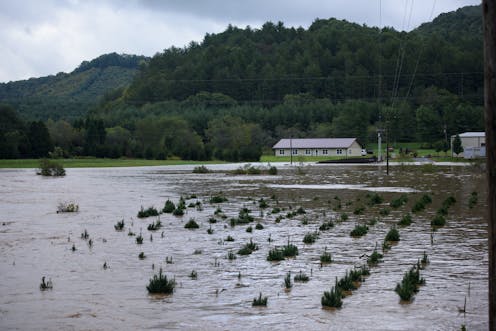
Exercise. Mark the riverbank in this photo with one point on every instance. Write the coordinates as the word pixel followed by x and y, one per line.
pixel 98 163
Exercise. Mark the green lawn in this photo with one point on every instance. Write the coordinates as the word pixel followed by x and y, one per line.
pixel 97 163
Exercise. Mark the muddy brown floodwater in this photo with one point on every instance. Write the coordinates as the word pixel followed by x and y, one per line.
pixel 35 241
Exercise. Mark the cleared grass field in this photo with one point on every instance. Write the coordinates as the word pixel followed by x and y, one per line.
pixel 98 163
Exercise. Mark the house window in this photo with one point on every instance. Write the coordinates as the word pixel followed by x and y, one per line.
pixel 308 152
pixel 324 151
pixel 339 151
pixel 281 152
pixel 349 151
pixel 295 151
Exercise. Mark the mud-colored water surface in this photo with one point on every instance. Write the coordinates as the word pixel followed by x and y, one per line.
pixel 35 241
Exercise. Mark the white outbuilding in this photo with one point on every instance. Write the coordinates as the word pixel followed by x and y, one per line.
pixel 324 147
pixel 473 143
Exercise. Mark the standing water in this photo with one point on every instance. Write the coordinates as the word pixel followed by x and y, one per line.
pixel 36 241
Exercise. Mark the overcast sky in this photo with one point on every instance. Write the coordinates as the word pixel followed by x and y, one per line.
pixel 44 37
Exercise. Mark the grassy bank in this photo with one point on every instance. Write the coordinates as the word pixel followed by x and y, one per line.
pixel 97 163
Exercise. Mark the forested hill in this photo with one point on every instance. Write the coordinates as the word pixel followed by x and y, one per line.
pixel 70 95
pixel 331 59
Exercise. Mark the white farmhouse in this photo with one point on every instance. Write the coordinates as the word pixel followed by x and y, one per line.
pixel 344 147
pixel 473 143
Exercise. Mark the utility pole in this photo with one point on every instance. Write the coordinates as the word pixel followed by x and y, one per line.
pixel 291 149
pixel 489 25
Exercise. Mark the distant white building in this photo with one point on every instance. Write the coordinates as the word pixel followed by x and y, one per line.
pixel 473 143
pixel 344 147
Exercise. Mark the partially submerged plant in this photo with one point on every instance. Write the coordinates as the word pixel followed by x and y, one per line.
pixel 405 220
pixel 398 202
pixel 193 274
pixel 67 207
pixel 46 285
pixel 119 226
pixel 210 230
pixel 201 170
pixel 85 234
pixel 155 225
pixel 139 239
pixel 325 257
pixel 248 248
pixel 301 277
pixel 229 238
pixel 392 235
pixel 218 199
pixel 409 284
pixel 50 168
pixel 150 211
pixel 438 221
pixel 425 259
pixel 141 256
pixel 359 210
pixel 259 226
pixel 332 298
pixel 191 224
pixel 384 212
pixel 287 281
pixel 310 238
pixel 472 201
pixel 260 301
pixel 262 203
pixel 249 229
pixel 326 225
pixel 359 230
pixel 160 284
pixel 231 256
pixel 374 258
pixel 169 207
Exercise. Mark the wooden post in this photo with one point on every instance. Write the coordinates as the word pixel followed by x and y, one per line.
pixel 489 22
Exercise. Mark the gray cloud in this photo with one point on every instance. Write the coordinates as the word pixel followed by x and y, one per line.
pixel 39 38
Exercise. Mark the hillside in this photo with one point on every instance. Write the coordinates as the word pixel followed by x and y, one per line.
pixel 332 59
pixel 70 95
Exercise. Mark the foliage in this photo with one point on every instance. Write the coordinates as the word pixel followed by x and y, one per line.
pixel 359 230
pixel 374 258
pixel 260 301
pixel 67 207
pixel 248 248
pixel 169 207
pixel 310 238
pixel 287 281
pixel 160 284
pixel 457 145
pixel 438 221
pixel 191 224
pixel 405 220
pixel 325 257
pixel 119 226
pixel 259 226
pixel 154 226
pixel 45 285
pixel 392 235
pixel 374 199
pixel 398 202
pixel 51 168
pixel 301 277
pixel 150 211
pixel 332 298
pixel 472 201
pixel 218 199
pixel 409 284
pixel 201 170
pixel 326 225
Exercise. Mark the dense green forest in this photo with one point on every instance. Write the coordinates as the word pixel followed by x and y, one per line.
pixel 70 96
pixel 237 92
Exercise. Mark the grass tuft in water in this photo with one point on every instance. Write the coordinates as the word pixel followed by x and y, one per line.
pixel 405 220
pixel 193 274
pixel 359 230
pixel 472 201
pixel 45 285
pixel 169 207
pixel 310 238
pixel 160 284
pixel 332 298
pixel 301 277
pixel 260 301
pixel 248 248
pixel 438 221
pixel 119 226
pixel 155 225
pixel 150 211
pixel 326 225
pixel 325 257
pixel 398 202
pixel 191 224
pixel 142 256
pixel 287 281
pixel 374 258
pixel 409 284
pixel 218 199
pixel 392 235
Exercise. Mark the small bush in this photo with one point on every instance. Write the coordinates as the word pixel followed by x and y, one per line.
pixel 259 226
pixel 141 256
pixel 384 212
pixel 438 221
pixel 262 203
pixel 326 226
pixel 359 210
pixel 67 207
pixel 231 256
pixel 300 211
pixel 275 254
pixel 301 277
pixel 193 274
pixel 154 226
pixel 51 168
pixel 191 224
pixel 472 201
pixel 249 229
pixel 344 217
pixel 218 199
pixel 248 248
pixel 275 210
pixel 325 257
pixel 405 220
pixel 119 226
pixel 398 202
pixel 332 298
pixel 229 238
pixel 374 258
pixel 260 301
pixel 201 170
pixel 210 230
pixel 392 235
pixel 139 239
pixel 418 207
pixel 310 238
pixel 409 284
pixel 150 211
pixel 374 199
pixel 169 207
pixel 273 171
pixel 359 230
pixel 45 285
pixel 160 284
pixel 287 281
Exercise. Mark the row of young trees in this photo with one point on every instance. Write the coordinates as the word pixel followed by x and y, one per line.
pixel 212 125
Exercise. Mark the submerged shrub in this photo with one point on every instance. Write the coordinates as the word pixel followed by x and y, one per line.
pixel 472 201
pixel 359 210
pixel 139 239
pixel 405 220
pixel 248 248
pixel 169 207
pixel 310 238
pixel 51 168
pixel 45 285
pixel 326 226
pixel 155 226
pixel 229 238
pixel 201 170
pixel 374 199
pixel 438 221
pixel 275 254
pixel 384 211
pixel 301 277
pixel 332 298
pixel 150 211
pixel 191 224
pixel 287 281
pixel 119 226
pixel 67 207
pixel 259 226
pixel 141 256
pixel 160 284
pixel 262 203
pixel 398 202
pixel 231 256
pixel 260 301
pixel 272 171
pixel 392 235
pixel 218 199
pixel 325 257
pixel 359 230
pixel 374 258
pixel 344 217
pixel 409 284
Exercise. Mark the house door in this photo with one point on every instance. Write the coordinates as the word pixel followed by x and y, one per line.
pixel 316 152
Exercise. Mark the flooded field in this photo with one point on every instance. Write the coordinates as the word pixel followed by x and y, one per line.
pixel 35 241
